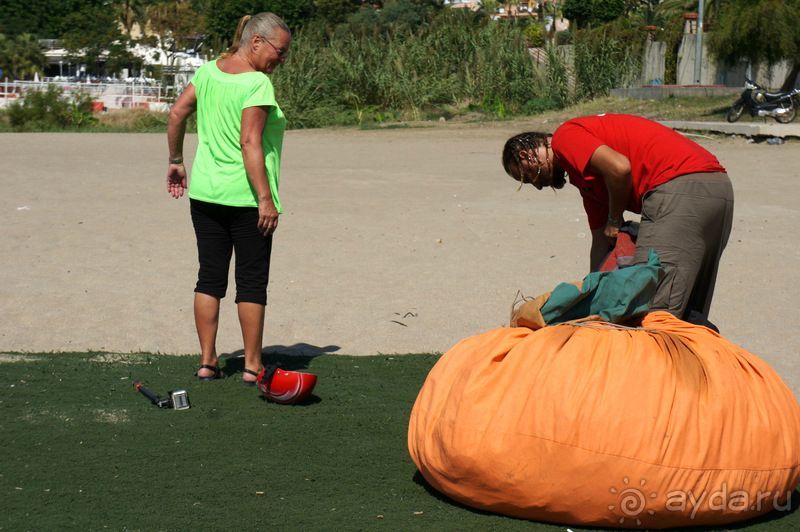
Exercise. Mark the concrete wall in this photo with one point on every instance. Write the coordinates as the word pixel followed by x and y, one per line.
pixel 772 77
pixel 730 76
pixel 653 63
pixel 686 56
pixel 654 60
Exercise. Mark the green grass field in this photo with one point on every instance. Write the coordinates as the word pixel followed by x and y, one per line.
pixel 82 450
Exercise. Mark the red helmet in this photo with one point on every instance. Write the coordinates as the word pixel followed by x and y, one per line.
pixel 285 387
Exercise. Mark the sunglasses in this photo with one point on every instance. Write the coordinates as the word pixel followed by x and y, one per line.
pixel 280 51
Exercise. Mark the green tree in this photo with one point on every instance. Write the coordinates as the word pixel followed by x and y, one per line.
pixel 94 35
pixel 676 8
pixel 649 13
pixel 45 19
pixel 222 16
pixel 761 30
pixel 607 10
pixel 670 12
pixel 174 24
pixel 119 57
pixel 132 12
pixel 21 57
pixel 335 11
pixel 396 16
pixel 578 12
pixel 593 12
pixel 407 14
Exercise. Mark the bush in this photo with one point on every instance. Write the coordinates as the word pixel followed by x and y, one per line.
pixel 534 35
pixel 50 110
pixel 137 120
pixel 539 105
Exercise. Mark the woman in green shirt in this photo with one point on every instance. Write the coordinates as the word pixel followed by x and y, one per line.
pixel 235 175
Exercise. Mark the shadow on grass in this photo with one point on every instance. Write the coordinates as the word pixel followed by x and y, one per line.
pixel 311 400
pixel 757 523
pixel 294 357
pixel 300 349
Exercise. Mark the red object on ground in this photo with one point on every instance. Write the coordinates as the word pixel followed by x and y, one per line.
pixel 98 106
pixel 285 387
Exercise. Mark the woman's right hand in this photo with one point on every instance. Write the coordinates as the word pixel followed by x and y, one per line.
pixel 267 217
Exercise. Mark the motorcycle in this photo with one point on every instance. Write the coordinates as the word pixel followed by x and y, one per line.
pixel 759 102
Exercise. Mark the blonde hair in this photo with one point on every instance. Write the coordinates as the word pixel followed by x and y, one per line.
pixel 264 24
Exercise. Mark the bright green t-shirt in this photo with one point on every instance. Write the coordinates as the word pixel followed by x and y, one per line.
pixel 218 172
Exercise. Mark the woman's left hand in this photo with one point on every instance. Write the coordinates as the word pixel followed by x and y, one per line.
pixel 176 180
pixel 267 217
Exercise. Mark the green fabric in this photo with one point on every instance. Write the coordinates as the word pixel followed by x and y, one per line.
pixel 614 296
pixel 218 172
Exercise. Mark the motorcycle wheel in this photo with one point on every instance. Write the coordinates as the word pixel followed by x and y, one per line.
pixel 788 117
pixel 735 112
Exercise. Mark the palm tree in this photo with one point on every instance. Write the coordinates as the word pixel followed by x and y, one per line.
pixel 173 23
pixel 23 56
pixel 670 9
pixel 130 12
pixel 647 13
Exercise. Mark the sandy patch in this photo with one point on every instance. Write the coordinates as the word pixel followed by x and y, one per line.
pixel 112 416
pixel 125 359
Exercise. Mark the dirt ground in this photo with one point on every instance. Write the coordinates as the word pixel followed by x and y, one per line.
pixel 392 241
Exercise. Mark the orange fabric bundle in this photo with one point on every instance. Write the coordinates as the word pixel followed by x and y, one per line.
pixel 665 425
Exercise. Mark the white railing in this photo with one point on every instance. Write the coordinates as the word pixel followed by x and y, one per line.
pixel 122 95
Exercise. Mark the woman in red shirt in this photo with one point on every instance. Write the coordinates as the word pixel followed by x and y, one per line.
pixel 624 162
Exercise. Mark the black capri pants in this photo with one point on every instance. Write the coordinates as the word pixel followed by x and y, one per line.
pixel 221 230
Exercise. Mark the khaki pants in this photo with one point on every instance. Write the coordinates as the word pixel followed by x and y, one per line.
pixel 687 221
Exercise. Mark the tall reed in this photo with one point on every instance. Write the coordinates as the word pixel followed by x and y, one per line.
pixel 456 60
pixel 452 62
pixel 603 64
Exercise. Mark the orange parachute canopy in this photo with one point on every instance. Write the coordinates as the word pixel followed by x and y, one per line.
pixel 668 424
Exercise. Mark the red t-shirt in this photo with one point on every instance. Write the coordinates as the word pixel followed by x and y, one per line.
pixel 656 153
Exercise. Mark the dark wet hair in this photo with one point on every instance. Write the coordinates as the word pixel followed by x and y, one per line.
pixel 529 141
